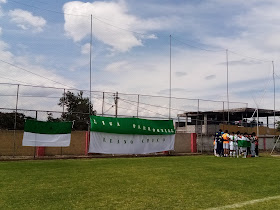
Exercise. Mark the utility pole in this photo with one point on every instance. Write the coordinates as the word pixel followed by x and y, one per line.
pixel 116 104
pixel 89 107
pixel 15 122
pixel 258 121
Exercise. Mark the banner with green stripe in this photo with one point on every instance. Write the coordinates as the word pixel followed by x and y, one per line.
pixel 34 126
pixel 46 134
pixel 111 135
pixel 131 126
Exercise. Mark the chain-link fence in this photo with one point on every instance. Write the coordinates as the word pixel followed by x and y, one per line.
pixel 19 102
pixel 39 102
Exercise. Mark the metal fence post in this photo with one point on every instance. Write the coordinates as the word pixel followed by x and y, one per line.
pixel 63 102
pixel 15 123
pixel 223 111
pixel 36 117
pixel 63 110
pixel 196 123
pixel 201 137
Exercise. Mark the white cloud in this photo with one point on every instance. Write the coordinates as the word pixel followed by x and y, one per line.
pixel 118 66
pixel 85 49
pixel 0 31
pixel 109 14
pixel 252 30
pixel 26 20
pixel 3 1
pixel 10 73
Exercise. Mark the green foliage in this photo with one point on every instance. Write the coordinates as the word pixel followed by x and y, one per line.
pixel 278 125
pixel 52 119
pixel 77 109
pixel 7 120
pixel 194 182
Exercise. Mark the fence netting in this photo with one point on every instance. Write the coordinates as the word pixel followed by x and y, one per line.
pixel 21 102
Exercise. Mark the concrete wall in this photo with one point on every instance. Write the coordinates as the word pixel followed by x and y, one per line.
pixel 77 145
pixel 211 129
pixel 205 129
pixel 262 130
pixel 9 147
pixel 182 143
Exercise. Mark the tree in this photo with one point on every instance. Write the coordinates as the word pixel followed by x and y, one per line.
pixel 52 119
pixel 77 109
pixel 7 120
pixel 277 124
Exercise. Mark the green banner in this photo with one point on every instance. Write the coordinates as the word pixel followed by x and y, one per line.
pixel 131 126
pixel 34 126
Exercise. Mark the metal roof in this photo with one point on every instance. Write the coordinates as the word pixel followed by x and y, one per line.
pixel 236 113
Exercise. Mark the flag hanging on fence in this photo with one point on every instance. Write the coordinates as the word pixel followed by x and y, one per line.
pixel 111 135
pixel 46 134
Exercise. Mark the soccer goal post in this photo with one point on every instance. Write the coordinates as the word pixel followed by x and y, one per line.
pixel 276 147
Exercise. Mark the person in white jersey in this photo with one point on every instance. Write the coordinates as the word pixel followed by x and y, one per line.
pixel 232 144
pixel 242 149
pixel 235 143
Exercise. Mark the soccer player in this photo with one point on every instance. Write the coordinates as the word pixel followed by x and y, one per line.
pixel 241 143
pixel 226 143
pixel 245 139
pixel 255 145
pixel 215 144
pixel 219 142
pixel 236 143
pixel 250 139
pixel 232 144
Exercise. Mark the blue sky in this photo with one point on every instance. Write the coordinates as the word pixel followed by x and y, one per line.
pixel 37 36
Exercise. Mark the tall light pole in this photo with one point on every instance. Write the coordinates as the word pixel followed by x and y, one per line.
pixel 273 95
pixel 89 104
pixel 89 108
pixel 170 79
pixel 227 84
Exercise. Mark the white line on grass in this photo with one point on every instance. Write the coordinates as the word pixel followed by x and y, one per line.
pixel 238 205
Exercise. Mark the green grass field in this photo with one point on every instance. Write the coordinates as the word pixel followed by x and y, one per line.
pixel 185 182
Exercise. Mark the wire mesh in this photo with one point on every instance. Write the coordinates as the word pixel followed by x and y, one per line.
pixel 20 102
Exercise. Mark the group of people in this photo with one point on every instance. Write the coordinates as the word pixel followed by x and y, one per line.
pixel 235 144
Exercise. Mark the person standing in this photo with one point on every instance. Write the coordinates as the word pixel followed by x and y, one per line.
pixel 232 144
pixel 236 143
pixel 219 142
pixel 226 143
pixel 242 144
pixel 215 144
pixel 250 139
pixel 256 142
pixel 253 146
